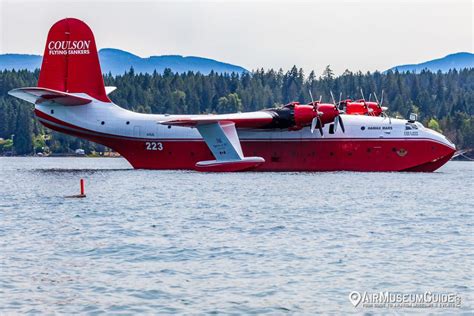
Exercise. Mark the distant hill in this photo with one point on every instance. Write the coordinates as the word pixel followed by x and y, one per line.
pixel 118 61
pixel 453 61
pixel 19 61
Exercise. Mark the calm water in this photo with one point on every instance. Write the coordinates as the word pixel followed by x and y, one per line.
pixel 182 241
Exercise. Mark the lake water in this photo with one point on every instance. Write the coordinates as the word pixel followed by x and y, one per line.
pixel 188 242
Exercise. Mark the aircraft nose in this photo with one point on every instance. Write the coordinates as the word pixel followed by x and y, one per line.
pixel 441 138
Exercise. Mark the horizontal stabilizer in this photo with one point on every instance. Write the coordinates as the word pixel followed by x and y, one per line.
pixel 109 89
pixel 38 95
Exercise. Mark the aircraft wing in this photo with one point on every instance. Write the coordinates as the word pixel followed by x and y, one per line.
pixel 37 95
pixel 241 120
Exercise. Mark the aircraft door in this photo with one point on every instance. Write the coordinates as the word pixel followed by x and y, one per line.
pixel 136 131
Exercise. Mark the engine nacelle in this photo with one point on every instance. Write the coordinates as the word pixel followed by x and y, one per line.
pixel 303 115
pixel 295 116
pixel 360 107
pixel 328 112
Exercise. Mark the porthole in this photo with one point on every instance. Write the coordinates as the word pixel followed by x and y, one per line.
pixel 128 123
pixel 362 128
pixel 52 111
pixel 102 123
pixel 169 126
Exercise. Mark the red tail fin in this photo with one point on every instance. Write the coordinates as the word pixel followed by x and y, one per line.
pixel 70 61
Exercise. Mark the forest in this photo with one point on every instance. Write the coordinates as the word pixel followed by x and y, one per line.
pixel 443 101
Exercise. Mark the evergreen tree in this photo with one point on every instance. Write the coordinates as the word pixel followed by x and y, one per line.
pixel 443 98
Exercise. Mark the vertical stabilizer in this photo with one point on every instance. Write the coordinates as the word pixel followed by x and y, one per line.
pixel 70 60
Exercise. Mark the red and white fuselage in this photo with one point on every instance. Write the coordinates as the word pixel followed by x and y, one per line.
pixel 369 143
pixel 227 142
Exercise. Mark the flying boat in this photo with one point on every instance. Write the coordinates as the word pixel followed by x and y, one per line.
pixel 71 98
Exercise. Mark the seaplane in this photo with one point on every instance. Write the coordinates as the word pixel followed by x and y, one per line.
pixel 71 98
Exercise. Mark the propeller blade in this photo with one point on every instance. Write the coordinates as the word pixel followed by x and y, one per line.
pixel 340 99
pixel 342 124
pixel 381 100
pixel 320 98
pixel 336 119
pixel 332 97
pixel 320 126
pixel 313 124
pixel 376 99
pixel 370 96
pixel 362 93
pixel 311 95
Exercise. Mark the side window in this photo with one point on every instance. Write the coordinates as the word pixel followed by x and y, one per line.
pixel 410 126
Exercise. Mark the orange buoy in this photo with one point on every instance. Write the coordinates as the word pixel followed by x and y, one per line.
pixel 82 187
pixel 83 191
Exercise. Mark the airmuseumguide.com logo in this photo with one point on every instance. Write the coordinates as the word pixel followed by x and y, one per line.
pixel 405 300
pixel 80 47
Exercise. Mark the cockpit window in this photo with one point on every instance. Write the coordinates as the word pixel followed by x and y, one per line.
pixel 410 126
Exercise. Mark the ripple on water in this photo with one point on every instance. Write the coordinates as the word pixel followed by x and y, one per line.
pixel 185 242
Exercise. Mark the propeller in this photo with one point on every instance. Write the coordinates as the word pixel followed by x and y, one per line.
pixel 384 108
pixel 314 124
pixel 338 119
pixel 316 119
pixel 369 110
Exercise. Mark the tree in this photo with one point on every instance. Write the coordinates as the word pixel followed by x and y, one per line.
pixel 448 98
pixel 230 103
pixel 328 74
pixel 22 141
pixel 434 125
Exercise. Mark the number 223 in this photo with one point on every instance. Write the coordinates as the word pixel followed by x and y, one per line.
pixel 154 146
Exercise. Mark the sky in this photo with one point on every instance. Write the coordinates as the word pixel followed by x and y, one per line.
pixel 364 35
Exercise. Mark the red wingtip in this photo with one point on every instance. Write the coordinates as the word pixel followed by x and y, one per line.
pixel 70 60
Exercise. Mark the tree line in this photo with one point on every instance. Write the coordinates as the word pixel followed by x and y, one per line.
pixel 443 101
